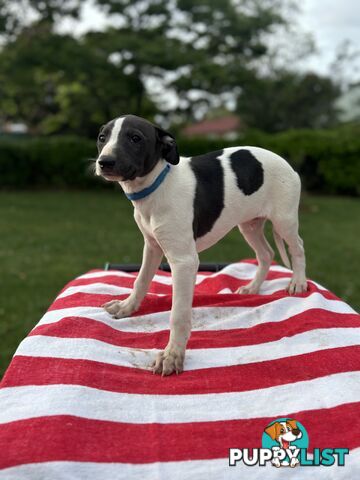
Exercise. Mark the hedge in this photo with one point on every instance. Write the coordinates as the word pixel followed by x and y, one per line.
pixel 47 162
pixel 327 160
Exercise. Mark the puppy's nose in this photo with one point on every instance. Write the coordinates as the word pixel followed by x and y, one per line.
pixel 295 431
pixel 106 161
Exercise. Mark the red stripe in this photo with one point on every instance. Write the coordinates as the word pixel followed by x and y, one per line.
pixel 153 304
pixel 81 327
pixel 60 438
pixel 236 378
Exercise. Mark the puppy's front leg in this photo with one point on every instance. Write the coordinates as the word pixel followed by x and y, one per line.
pixel 152 256
pixel 184 269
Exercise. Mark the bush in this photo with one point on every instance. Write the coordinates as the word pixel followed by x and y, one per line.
pixel 47 162
pixel 327 160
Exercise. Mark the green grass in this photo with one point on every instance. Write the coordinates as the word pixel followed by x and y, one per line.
pixel 47 238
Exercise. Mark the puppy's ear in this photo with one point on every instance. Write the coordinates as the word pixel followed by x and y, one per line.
pixel 168 147
pixel 272 430
pixel 292 424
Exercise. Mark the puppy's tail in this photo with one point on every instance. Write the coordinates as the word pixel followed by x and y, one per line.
pixel 282 250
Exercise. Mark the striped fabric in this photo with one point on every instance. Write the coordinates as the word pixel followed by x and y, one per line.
pixel 78 400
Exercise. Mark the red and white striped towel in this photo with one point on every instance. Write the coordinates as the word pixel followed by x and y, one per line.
pixel 78 402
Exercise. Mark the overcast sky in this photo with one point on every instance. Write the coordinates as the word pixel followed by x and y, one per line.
pixel 330 22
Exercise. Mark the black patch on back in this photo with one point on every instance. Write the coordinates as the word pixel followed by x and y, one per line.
pixel 248 170
pixel 209 194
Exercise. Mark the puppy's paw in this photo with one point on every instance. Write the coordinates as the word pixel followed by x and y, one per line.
pixel 297 285
pixel 169 361
pixel 249 289
pixel 120 308
pixel 294 462
pixel 276 462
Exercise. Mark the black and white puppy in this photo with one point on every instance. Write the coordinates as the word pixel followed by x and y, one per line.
pixel 185 205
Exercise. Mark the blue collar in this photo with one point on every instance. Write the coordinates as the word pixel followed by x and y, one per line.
pixel 151 188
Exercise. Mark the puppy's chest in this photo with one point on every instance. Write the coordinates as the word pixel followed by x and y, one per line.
pixel 148 222
pixel 144 222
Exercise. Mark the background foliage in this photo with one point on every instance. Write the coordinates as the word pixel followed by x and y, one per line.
pixel 176 60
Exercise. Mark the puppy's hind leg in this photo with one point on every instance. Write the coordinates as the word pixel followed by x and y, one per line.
pixel 287 228
pixel 253 232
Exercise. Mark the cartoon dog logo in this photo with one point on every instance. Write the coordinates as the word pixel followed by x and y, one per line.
pixel 284 432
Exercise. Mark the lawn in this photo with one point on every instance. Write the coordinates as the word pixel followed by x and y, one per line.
pixel 48 238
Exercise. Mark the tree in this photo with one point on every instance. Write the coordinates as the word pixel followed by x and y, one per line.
pixel 197 50
pixel 17 14
pixel 289 100
pixel 201 53
pixel 57 83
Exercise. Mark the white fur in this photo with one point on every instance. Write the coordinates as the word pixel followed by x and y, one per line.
pixel 111 143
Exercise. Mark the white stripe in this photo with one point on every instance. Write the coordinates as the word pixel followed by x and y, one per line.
pixel 105 273
pixel 111 143
pixel 100 289
pixel 207 318
pixel 96 350
pixel 96 288
pixel 36 401
pixel 217 469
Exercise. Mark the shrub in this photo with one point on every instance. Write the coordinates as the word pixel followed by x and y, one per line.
pixel 327 160
pixel 47 162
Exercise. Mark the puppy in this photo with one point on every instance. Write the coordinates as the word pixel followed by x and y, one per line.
pixel 185 205
pixel 284 433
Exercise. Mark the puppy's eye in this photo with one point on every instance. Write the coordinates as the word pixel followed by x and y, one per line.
pixel 282 431
pixel 135 138
pixel 101 138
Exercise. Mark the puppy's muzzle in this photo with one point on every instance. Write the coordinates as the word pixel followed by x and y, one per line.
pixel 106 163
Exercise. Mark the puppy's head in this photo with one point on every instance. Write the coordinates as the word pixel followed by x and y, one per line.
pixel 130 147
pixel 287 431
